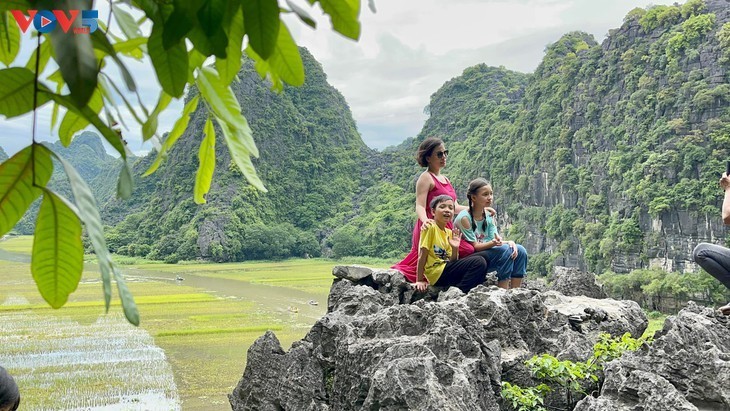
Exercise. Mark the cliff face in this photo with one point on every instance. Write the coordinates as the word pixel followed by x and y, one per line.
pixel 310 156
pixel 646 117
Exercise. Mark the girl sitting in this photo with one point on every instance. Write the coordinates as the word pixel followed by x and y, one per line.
pixel 506 257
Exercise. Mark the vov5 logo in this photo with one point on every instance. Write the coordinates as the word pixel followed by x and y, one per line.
pixel 45 21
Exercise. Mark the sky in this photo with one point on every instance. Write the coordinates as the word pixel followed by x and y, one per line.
pixel 407 50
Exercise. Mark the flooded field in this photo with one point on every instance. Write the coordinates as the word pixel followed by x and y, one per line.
pixel 198 321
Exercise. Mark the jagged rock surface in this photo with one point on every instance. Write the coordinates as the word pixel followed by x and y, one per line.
pixel 382 345
pixel 687 367
pixel 572 281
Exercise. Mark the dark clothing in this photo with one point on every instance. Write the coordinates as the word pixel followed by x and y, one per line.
pixel 715 260
pixel 465 273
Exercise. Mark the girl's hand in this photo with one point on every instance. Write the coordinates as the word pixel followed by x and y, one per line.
pixel 421 285
pixel 496 242
pixel 455 239
pixel 427 224
pixel 514 249
pixel 491 212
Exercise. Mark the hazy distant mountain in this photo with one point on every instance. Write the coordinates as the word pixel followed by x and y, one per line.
pixel 87 154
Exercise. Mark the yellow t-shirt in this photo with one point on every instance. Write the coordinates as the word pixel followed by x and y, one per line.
pixel 436 241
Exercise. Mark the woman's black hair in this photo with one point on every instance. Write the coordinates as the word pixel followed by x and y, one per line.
pixel 474 186
pixel 426 149
pixel 9 393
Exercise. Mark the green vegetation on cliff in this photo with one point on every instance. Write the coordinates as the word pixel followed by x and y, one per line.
pixel 310 161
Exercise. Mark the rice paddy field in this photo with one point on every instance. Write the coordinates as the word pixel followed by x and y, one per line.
pixel 189 351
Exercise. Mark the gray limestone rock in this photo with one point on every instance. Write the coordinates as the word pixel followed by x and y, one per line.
pixel 687 367
pixel 352 272
pixel 636 390
pixel 572 281
pixel 383 346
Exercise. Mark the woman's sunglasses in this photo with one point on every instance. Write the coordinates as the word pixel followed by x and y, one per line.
pixel 441 154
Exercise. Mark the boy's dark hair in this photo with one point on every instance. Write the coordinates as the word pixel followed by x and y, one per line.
pixel 426 149
pixel 9 393
pixel 440 199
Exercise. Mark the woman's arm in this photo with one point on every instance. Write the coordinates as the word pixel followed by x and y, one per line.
pixel 725 184
pixel 421 283
pixel 423 186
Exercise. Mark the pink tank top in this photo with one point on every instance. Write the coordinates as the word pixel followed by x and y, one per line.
pixel 439 188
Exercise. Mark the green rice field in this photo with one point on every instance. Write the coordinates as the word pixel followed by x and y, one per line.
pixel 190 349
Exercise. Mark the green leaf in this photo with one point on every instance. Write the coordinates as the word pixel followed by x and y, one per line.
pixel 110 135
pixel 128 304
pixel 209 46
pixel 7 5
pixel 9 38
pixel 76 60
pixel 264 69
pixel 196 60
pixel 150 126
pixel 125 185
pixel 170 65
pixel 176 27
pixel 89 214
pixel 225 106
pixel 16 92
pixel 126 22
pixel 302 14
pixel 58 253
pixel 134 48
pixel 229 67
pixel 240 155
pixel 344 16
pixel 104 87
pixel 17 192
pixel 101 42
pixel 177 130
pixel 286 61
pixel 73 122
pixel 45 55
pixel 210 16
pixel 261 19
pixel 206 154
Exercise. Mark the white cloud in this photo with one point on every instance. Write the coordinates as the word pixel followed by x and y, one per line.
pixel 407 50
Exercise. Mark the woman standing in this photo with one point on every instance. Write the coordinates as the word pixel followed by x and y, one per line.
pixel 431 183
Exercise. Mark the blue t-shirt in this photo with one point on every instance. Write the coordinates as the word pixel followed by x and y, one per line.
pixel 478 235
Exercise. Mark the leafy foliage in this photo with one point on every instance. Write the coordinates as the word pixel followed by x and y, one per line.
pixel 525 399
pixel 659 290
pixel 573 378
pixel 214 28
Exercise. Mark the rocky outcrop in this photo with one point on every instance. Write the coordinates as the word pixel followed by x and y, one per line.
pixel 687 367
pixel 382 345
pixel 572 281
